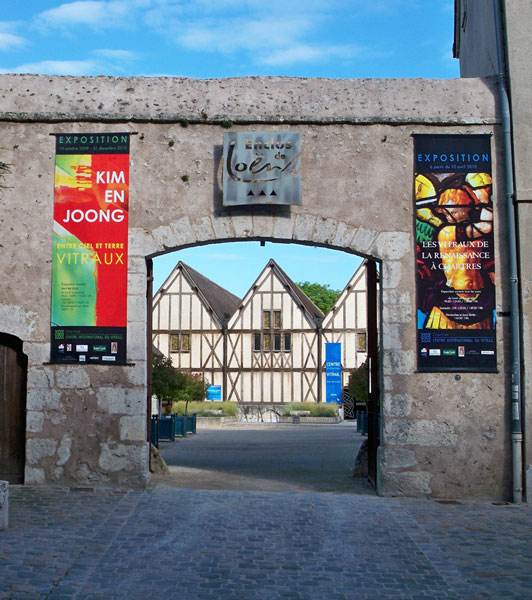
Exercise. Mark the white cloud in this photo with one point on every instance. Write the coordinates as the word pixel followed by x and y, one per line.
pixel 304 54
pixel 120 55
pixel 8 41
pixel 97 14
pixel 231 35
pixel 76 68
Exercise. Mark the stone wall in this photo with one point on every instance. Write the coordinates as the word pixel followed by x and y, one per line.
pixel 441 436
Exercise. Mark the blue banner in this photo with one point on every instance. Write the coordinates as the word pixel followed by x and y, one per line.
pixel 333 373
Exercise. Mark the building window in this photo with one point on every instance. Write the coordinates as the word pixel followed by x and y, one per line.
pixel 256 342
pixel 277 342
pixel 361 342
pixel 266 342
pixel 185 342
pixel 288 342
pixel 180 342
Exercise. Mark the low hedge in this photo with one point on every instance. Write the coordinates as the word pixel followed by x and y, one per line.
pixel 229 409
pixel 316 410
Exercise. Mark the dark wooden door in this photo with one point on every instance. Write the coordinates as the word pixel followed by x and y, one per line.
pixel 13 374
pixel 373 404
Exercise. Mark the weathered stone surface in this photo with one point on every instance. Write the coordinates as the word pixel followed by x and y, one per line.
pixel 121 401
pixel 407 483
pixel 37 448
pixel 392 272
pixel 33 476
pixel 41 378
pixel 404 432
pixel 282 228
pixel 42 399
pixel 399 361
pixel 132 429
pixel 63 452
pixel 397 306
pixel 34 421
pixel 273 99
pixel 397 405
pixel 396 458
pixel 121 457
pixel 136 341
pixel 158 465
pixel 183 231
pixel 243 225
pixel 16 321
pixel 70 378
pixel 304 226
pixel 203 229
pixel 393 245
pixel 363 239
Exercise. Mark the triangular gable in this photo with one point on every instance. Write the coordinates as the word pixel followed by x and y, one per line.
pixel 311 312
pixel 357 283
pixel 218 302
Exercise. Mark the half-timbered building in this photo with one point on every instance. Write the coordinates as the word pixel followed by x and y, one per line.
pixel 268 348
pixel 346 324
pixel 190 315
pixel 273 346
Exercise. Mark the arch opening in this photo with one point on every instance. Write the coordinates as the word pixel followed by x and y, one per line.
pixel 261 379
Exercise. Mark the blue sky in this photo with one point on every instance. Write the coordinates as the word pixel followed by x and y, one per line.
pixel 233 38
pixel 220 38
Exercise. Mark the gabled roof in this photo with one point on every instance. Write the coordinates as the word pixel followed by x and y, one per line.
pixel 357 282
pixel 222 302
pixel 313 311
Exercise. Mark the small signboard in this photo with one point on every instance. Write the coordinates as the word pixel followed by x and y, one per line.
pixel 262 167
pixel 333 373
pixel 214 393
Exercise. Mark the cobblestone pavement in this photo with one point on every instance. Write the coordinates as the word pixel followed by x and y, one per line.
pixel 166 543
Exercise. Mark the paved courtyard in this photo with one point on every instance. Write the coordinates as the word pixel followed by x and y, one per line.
pixel 186 544
pixel 267 457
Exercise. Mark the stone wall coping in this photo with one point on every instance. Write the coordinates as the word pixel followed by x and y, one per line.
pixel 246 100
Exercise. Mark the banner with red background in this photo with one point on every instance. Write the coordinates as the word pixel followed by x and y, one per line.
pixel 89 266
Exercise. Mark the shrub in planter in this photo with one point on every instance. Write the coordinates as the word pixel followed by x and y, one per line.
pixel 229 409
pixel 316 410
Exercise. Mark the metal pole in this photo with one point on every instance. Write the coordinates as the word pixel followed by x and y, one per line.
pixel 517 433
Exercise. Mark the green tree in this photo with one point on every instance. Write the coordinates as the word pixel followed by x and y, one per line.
pixel 194 388
pixel 170 385
pixel 166 381
pixel 322 295
pixel 358 386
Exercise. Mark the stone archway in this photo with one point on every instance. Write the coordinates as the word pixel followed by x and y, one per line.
pixel 442 436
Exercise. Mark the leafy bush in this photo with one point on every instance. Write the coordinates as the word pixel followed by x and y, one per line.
pixel 316 410
pixel 229 409
pixel 358 383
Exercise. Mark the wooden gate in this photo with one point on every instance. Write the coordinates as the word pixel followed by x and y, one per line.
pixel 373 404
pixel 13 377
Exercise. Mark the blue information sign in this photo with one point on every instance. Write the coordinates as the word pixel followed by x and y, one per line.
pixel 333 373
pixel 214 393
